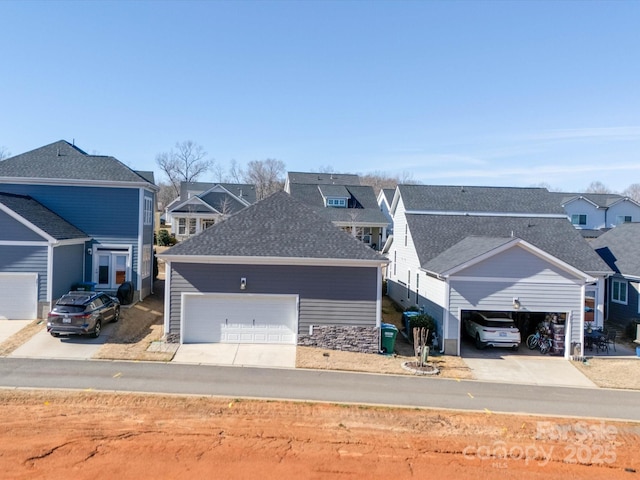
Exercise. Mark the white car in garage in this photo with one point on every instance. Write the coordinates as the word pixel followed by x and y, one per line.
pixel 493 329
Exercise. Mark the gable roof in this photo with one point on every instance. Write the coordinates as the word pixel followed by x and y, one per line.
pixel 388 194
pixel 435 234
pixel 599 200
pixel 363 206
pixel 277 227
pixel 64 161
pixel 323 178
pixel 620 248
pixel 442 198
pixel 41 217
pixel 245 191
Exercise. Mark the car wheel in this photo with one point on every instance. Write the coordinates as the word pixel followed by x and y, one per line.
pixel 97 329
pixel 116 316
pixel 56 335
pixel 479 344
pixel 515 348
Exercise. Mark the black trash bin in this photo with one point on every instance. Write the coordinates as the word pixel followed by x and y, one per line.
pixel 388 334
pixel 125 293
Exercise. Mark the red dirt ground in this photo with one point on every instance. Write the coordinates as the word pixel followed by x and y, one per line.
pixel 88 435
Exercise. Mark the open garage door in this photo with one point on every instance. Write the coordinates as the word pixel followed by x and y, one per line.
pixel 18 296
pixel 239 318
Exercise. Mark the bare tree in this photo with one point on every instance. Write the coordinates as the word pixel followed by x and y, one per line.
pixel 633 192
pixel 379 180
pixel 185 163
pixel 267 176
pixel 4 153
pixel 235 172
pixel 597 187
pixel 166 194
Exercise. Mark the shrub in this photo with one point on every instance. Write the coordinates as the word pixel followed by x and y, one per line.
pixel 166 240
pixel 423 321
pixel 412 308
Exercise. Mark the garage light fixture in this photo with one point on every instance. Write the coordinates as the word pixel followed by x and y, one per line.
pixel 516 303
pixel 243 283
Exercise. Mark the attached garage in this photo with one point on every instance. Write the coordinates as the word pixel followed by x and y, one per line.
pixel 18 296
pixel 237 318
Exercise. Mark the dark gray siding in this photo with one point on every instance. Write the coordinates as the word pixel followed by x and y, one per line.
pixel 328 295
pixel 623 314
pixel 13 230
pixel 67 268
pixel 16 259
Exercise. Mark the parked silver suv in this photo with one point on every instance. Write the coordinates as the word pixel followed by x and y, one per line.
pixel 82 313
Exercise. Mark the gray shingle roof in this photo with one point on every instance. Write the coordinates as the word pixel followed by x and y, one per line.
pixel 435 234
pixel 334 191
pixel 223 202
pixel 602 200
pixel 388 194
pixel 244 190
pixel 41 217
pixel 278 226
pixel 323 178
pixel 620 248
pixel 363 196
pixel 480 199
pixel 61 160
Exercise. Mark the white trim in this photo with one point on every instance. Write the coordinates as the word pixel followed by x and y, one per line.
pixel 357 223
pixel 379 298
pixel 556 281
pixel 26 223
pixel 626 293
pixel 14 243
pixel 141 241
pixel 110 247
pixel 231 260
pixel 192 200
pixel 485 214
pixel 49 287
pixel 83 183
pixel 167 297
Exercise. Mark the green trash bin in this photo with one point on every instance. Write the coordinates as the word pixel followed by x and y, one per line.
pixel 388 334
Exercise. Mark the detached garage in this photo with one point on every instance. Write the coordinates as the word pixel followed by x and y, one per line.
pixel 274 273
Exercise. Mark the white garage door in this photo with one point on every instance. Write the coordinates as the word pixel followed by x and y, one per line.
pixel 228 318
pixel 18 296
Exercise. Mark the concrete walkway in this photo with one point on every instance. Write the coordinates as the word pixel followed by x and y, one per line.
pixel 269 356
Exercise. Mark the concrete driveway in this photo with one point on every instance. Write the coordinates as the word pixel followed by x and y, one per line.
pixel 524 367
pixel 269 356
pixel 10 327
pixel 43 345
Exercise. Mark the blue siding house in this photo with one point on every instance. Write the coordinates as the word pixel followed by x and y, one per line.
pixel 66 217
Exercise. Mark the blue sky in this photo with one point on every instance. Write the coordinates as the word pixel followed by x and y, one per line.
pixel 506 93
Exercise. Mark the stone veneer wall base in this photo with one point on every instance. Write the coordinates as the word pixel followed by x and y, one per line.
pixel 348 339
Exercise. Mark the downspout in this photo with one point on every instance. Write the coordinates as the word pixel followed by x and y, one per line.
pixel 445 320
pixel 167 297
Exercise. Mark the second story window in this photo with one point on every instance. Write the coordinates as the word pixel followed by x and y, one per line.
pixel 623 219
pixel 579 219
pixel 336 202
pixel 148 211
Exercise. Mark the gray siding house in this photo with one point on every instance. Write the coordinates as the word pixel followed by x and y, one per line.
pixel 107 204
pixel 457 250
pixel 275 272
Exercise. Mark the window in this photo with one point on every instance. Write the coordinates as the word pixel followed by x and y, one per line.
pixel 148 210
pixel 207 223
pixel 579 219
pixel 192 226
pixel 146 261
pixel 619 291
pixel 395 261
pixel 623 219
pixel 336 202
pixel 182 226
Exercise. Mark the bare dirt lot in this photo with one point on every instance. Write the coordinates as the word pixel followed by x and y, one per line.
pixel 87 435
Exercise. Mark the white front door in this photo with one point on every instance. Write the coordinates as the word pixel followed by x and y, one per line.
pixel 111 268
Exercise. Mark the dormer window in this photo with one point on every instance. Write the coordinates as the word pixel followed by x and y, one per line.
pixel 337 202
pixel 579 220
pixel 623 219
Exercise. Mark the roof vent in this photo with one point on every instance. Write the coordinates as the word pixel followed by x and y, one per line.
pixel 462 189
pixel 58 152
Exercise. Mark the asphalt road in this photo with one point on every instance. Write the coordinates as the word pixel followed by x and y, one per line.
pixel 324 386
